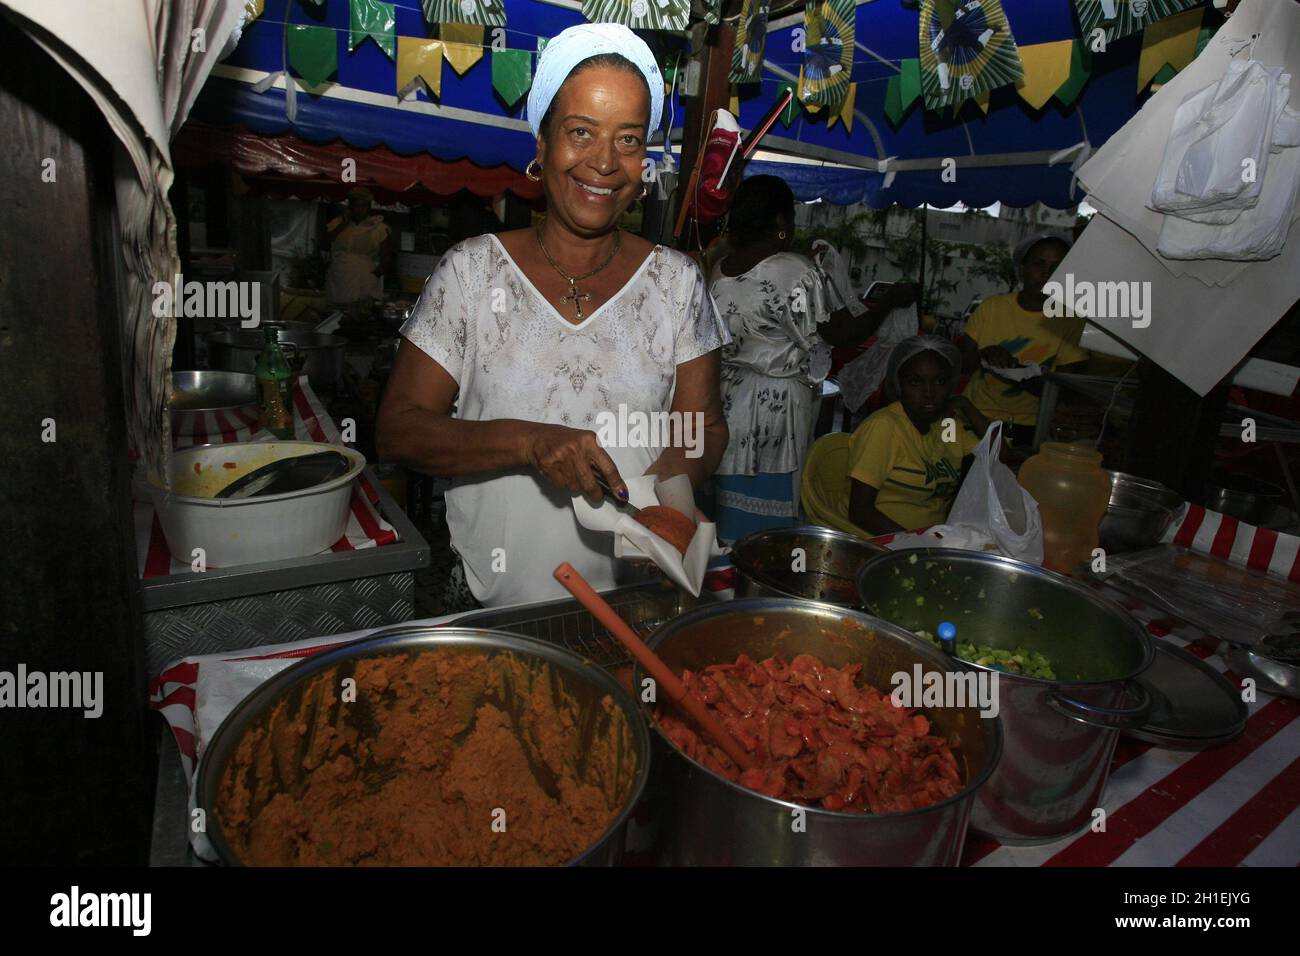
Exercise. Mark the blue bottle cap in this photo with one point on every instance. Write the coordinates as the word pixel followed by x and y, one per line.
pixel 947 631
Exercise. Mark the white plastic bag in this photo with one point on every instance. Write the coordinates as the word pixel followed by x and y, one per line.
pixel 992 500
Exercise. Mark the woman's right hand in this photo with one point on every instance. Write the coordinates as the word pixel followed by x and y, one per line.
pixel 569 458
pixel 998 357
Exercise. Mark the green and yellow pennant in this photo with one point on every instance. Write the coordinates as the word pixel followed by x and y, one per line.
pixel 512 74
pixel 1171 44
pixel 1080 70
pixel 1047 68
pixel 903 90
pixel 462 45
pixel 313 52
pixel 371 18
pixel 419 63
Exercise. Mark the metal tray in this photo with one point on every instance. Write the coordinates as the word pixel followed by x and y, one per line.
pixel 567 623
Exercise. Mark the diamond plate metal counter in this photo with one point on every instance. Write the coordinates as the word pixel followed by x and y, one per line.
pixel 278 617
pixel 229 609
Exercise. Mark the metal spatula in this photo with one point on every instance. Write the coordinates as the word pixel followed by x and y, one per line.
pixel 288 474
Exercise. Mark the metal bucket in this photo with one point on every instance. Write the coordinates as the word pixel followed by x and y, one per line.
pixel 238 351
pixel 1060 735
pixel 710 821
pixel 814 563
pixel 300 687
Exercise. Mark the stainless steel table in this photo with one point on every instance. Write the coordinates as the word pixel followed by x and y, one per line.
pixel 281 601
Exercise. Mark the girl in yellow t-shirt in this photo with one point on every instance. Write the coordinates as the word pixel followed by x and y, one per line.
pixel 1010 330
pixel 906 460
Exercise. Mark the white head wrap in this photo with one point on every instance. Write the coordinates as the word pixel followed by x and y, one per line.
pixel 909 349
pixel 582 42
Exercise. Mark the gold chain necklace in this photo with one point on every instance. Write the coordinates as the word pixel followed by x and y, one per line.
pixel 574 295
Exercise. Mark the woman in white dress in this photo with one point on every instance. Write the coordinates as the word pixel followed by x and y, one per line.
pixel 783 315
pixel 542 336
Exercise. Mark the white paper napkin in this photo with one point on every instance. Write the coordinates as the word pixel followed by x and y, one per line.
pixel 1028 370
pixel 633 540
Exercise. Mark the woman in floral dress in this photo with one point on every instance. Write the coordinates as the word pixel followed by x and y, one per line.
pixel 783 315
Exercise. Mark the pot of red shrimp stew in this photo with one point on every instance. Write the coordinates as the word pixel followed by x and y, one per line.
pixel 842 775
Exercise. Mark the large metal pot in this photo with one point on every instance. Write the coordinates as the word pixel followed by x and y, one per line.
pixel 1060 735
pixel 814 563
pixel 553 667
pixel 238 351
pixel 282 325
pixel 710 821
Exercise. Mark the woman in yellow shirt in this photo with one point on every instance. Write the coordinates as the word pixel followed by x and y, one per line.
pixel 1010 330
pixel 906 460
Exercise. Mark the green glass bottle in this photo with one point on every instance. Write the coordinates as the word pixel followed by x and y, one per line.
pixel 274 388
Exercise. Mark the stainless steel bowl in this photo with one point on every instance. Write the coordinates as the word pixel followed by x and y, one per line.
pixel 1243 497
pixel 1149 488
pixel 211 391
pixel 1138 514
pixel 709 821
pixel 198 396
pixel 814 563
pixel 1060 735
pixel 312 684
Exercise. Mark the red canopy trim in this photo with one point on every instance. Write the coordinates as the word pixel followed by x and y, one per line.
pixel 313 169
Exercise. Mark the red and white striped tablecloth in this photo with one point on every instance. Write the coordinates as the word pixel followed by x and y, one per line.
pixel 1235 804
pixel 366 526
pixel 1238 543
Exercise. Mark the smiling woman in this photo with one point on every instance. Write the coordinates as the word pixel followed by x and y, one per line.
pixel 536 334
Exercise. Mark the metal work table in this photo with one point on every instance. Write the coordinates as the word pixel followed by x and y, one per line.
pixel 279 601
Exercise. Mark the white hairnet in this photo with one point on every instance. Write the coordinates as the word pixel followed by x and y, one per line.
pixel 1024 245
pixel 910 348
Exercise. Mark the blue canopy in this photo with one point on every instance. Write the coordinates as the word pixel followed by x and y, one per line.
pixel 1001 156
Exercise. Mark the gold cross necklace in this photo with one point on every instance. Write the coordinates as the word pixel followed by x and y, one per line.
pixel 574 295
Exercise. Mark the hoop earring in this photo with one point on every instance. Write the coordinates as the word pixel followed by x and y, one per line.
pixel 781 234
pixel 644 192
pixel 528 170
